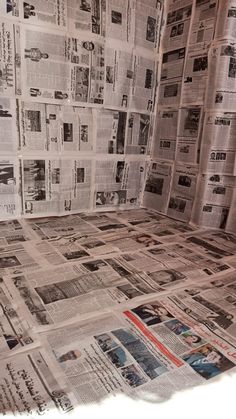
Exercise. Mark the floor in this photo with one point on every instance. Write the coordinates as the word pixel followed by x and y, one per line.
pixel 128 304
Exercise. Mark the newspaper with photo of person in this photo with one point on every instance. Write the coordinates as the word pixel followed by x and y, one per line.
pixel 44 13
pixel 155 346
pixel 178 15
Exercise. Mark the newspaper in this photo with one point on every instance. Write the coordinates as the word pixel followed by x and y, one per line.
pixel 54 187
pixel 155 347
pixel 29 387
pixel 158 185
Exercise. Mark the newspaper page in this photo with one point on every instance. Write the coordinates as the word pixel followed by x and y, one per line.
pixel 221 93
pixel 144 83
pixel 10 58
pixel 182 192
pixel 111 131
pixel 154 347
pixel 148 23
pixel 189 135
pixel 120 20
pixel 30 388
pixel 157 185
pixel 164 143
pixel 178 15
pixel 171 77
pixel 218 158
pixel 204 20
pixel 89 16
pixel 10 9
pixel 215 195
pixel 195 76
pixel 61 68
pixel 14 334
pixel 118 183
pixel 139 133
pixel 9 132
pixel 44 13
pixel 57 186
pixel 225 28
pixel 10 202
pixel 55 128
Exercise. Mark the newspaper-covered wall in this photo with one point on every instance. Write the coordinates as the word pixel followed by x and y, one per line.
pixel 78 83
pixel 195 108
pixel 96 94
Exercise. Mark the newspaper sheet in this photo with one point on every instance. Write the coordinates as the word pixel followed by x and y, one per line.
pixel 154 347
pixel 29 387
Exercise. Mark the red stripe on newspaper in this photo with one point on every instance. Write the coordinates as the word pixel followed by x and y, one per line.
pixel 154 340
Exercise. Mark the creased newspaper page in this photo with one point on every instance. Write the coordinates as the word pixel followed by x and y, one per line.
pixel 189 135
pixel 153 347
pixel 30 388
pixel 157 185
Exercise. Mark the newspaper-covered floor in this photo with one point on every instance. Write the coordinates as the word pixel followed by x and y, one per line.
pixel 96 305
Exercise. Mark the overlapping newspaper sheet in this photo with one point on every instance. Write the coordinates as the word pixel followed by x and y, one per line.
pixel 94 305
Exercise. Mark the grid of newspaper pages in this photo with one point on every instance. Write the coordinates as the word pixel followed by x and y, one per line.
pixel 107 106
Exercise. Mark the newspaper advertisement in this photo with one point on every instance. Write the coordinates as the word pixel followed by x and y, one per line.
pixel 29 387
pixel 157 185
pixel 55 128
pixel 10 58
pixel 137 350
pixel 118 183
pixel 57 186
pixel 177 24
pixel 182 192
